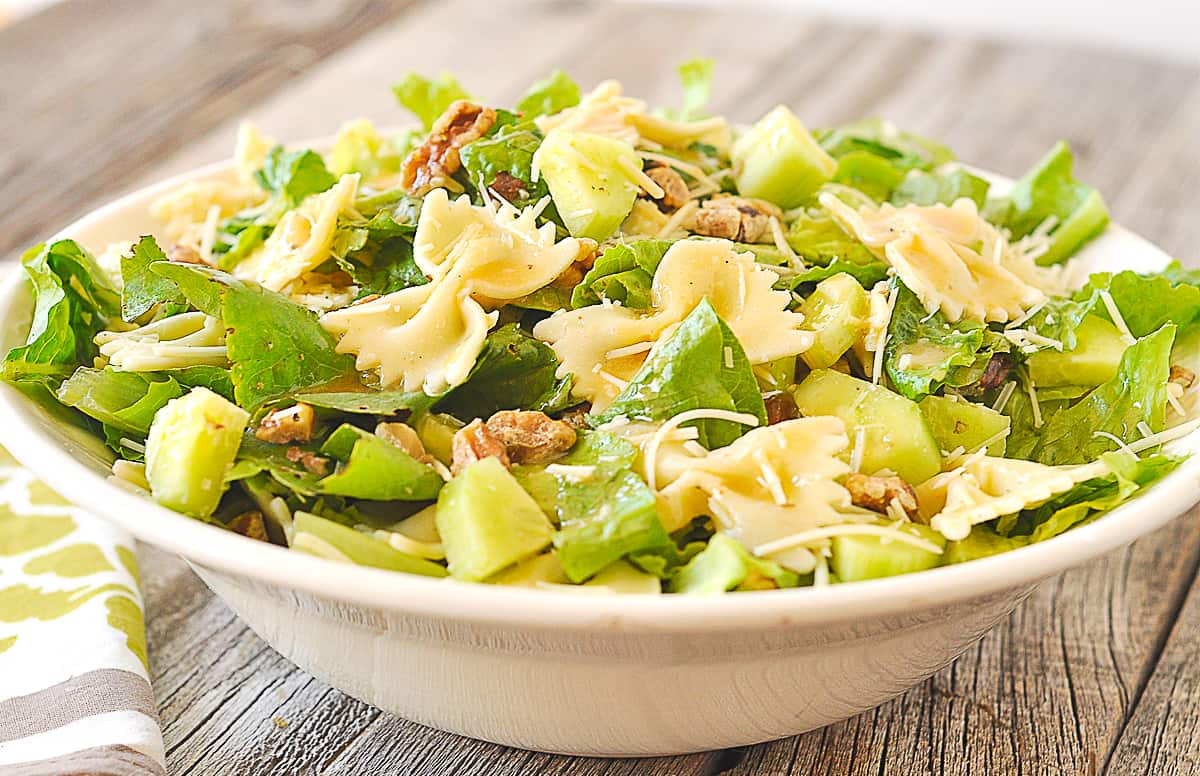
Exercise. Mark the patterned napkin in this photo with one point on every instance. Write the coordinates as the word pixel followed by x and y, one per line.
pixel 75 694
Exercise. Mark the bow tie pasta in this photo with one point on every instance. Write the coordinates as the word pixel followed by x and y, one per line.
pixel 606 341
pixel 427 337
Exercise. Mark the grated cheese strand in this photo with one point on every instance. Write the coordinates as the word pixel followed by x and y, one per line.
pixel 849 529
pixel 650 453
pixel 1115 313
pixel 1005 394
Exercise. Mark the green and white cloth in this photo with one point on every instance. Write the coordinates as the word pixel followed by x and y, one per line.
pixel 75 694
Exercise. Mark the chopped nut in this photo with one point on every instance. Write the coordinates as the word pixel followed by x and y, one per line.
pixel 576 417
pixel 250 524
pixel 997 371
pixel 184 253
pixel 735 218
pixel 314 463
pixel 1182 376
pixel 875 493
pixel 292 424
pixel 780 407
pixel 531 437
pixel 432 163
pixel 403 436
pixel 675 191
pixel 509 186
pixel 472 443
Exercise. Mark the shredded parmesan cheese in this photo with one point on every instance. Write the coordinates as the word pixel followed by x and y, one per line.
pixel 850 529
pixel 575 474
pixel 629 350
pixel 782 244
pixel 650 453
pixel 1005 394
pixel 877 362
pixel 677 218
pixel 727 352
pixel 1115 313
pixel 639 176
pixel 856 455
pixel 695 449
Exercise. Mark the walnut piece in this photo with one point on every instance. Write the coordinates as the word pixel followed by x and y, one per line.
pixel 780 407
pixel 250 524
pixel 675 191
pixel 735 218
pixel 1182 376
pixel 997 371
pixel 576 417
pixel 509 186
pixel 184 253
pixel 403 436
pixel 432 163
pixel 291 424
pixel 875 493
pixel 474 442
pixel 314 463
pixel 531 437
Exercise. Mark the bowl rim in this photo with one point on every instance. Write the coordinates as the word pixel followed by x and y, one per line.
pixel 225 552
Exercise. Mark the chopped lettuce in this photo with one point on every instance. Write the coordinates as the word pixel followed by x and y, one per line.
pixel 867 275
pixel 277 347
pixel 925 352
pixel 125 401
pixel 1137 395
pixel 1146 302
pixel 374 469
pixel 701 366
pixel 73 300
pixel 143 289
pixel 508 152
pixel 942 187
pixel 514 371
pixel 1047 191
pixel 727 565
pixel 549 95
pixel 360 148
pixel 873 175
pixel 696 75
pixel 385 403
pixel 623 273
pixel 427 99
pixel 817 239
pixel 903 150
pixel 290 176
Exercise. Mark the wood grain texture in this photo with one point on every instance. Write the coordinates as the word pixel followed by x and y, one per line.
pixel 1095 673
pixel 95 93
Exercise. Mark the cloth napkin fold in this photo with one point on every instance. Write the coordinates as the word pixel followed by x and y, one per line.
pixel 75 694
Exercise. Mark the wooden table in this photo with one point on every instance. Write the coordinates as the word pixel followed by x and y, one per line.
pixel 1096 673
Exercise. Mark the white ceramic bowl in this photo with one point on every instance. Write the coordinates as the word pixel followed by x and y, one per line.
pixel 579 673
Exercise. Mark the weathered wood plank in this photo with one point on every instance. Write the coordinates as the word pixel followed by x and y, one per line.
pixel 94 94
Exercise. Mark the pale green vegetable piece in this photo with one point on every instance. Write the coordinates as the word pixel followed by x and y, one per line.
pixel 487 521
pixel 1095 359
pixel 317 536
pixel 436 432
pixel 779 161
pixel 590 178
pixel 958 423
pixel 837 312
pixel 857 557
pixel 893 432
pixel 192 442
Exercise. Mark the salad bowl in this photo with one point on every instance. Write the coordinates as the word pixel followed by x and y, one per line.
pixel 581 672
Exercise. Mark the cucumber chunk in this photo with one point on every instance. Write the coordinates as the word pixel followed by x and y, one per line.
pixel 487 521
pixel 873 557
pixel 317 536
pixel 192 443
pixel 589 179
pixel 980 543
pixel 1095 359
pixel 837 311
pixel 779 161
pixel 895 435
pixel 959 423
pixel 436 432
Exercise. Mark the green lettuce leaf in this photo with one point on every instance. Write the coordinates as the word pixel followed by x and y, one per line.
pixel 276 346
pixel 548 96
pixel 923 188
pixel 818 239
pixel 875 176
pixel 904 150
pixel 374 469
pixel 1050 190
pixel 1146 302
pixel 427 99
pixel 514 371
pixel 867 275
pixel 290 176
pixel 214 378
pixel 508 151
pixel 386 403
pixel 701 366
pixel 727 565
pixel 925 352
pixel 143 289
pixel 622 273
pixel 72 302
pixel 1138 394
pixel 125 401
pixel 697 76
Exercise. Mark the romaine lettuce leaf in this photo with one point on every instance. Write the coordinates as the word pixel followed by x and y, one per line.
pixel 701 366
pixel 276 346
pixel 1050 190
pixel 873 175
pixel 1146 302
pixel 696 75
pixel 931 188
pixel 126 401
pixel 727 565
pixel 904 150
pixel 508 151
pixel 514 371
pixel 385 403
pixel 214 378
pixel 867 275
pixel 549 95
pixel 1138 394
pixel 925 352
pixel 72 302
pixel 622 273
pixel 374 469
pixel 818 239
pixel 427 99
